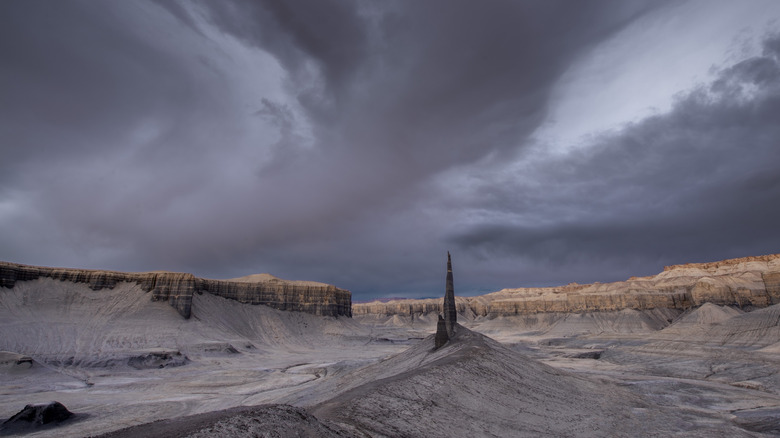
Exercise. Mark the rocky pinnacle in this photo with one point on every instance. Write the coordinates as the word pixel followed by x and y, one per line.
pixel 441 337
pixel 450 312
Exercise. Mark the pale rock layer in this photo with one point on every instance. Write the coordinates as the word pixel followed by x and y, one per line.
pixel 742 282
pixel 178 288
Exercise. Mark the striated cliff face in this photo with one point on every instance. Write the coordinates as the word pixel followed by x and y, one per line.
pixel 178 288
pixel 748 281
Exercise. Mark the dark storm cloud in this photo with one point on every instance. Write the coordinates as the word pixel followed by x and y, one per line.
pixel 329 33
pixel 422 85
pixel 397 92
pixel 287 148
pixel 698 183
pixel 394 94
pixel 311 139
pixel 77 78
pixel 102 126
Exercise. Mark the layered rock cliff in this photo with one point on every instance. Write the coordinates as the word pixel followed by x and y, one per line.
pixel 177 288
pixel 743 282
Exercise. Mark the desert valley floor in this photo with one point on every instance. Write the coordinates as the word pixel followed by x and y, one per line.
pixel 117 359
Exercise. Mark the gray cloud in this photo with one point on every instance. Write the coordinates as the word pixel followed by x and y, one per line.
pixel 354 142
pixel 698 183
pixel 425 87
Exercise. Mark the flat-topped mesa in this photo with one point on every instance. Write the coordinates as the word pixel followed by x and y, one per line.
pixel 712 266
pixel 748 282
pixel 178 288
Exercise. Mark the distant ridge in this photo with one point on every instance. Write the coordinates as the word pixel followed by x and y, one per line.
pixel 722 263
pixel 268 278
pixel 178 288
pixel 388 299
pixel 740 282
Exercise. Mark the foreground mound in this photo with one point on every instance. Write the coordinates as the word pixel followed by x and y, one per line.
pixel 474 386
pixel 266 421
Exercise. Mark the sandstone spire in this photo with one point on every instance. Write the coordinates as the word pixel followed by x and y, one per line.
pixel 441 334
pixel 450 312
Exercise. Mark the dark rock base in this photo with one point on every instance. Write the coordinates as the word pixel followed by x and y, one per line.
pixel 35 416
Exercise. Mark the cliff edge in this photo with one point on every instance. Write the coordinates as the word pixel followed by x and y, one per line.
pixel 177 288
pixel 743 282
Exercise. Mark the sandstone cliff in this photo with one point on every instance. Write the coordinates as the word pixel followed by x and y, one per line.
pixel 177 288
pixel 743 282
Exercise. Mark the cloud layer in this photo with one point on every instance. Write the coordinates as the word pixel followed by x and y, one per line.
pixel 355 142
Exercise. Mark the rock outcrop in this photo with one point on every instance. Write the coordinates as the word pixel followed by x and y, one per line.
pixel 743 282
pixel 36 415
pixel 441 337
pixel 450 312
pixel 11 361
pixel 445 326
pixel 178 288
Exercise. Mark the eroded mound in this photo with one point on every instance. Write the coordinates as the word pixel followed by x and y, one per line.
pixel 10 362
pixel 708 313
pixel 267 421
pixel 474 386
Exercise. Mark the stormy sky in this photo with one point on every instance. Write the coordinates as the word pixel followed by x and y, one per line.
pixel 355 143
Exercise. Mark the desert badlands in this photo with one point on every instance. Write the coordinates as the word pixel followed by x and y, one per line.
pixel 692 351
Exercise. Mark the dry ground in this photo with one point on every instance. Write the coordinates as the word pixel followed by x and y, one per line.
pixel 119 360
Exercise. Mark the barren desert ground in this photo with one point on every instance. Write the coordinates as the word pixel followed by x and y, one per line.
pixel 117 359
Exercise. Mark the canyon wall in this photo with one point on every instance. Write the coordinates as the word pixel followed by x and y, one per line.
pixel 743 282
pixel 177 288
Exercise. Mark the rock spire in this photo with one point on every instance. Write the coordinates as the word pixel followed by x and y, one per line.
pixel 445 328
pixel 441 334
pixel 450 312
